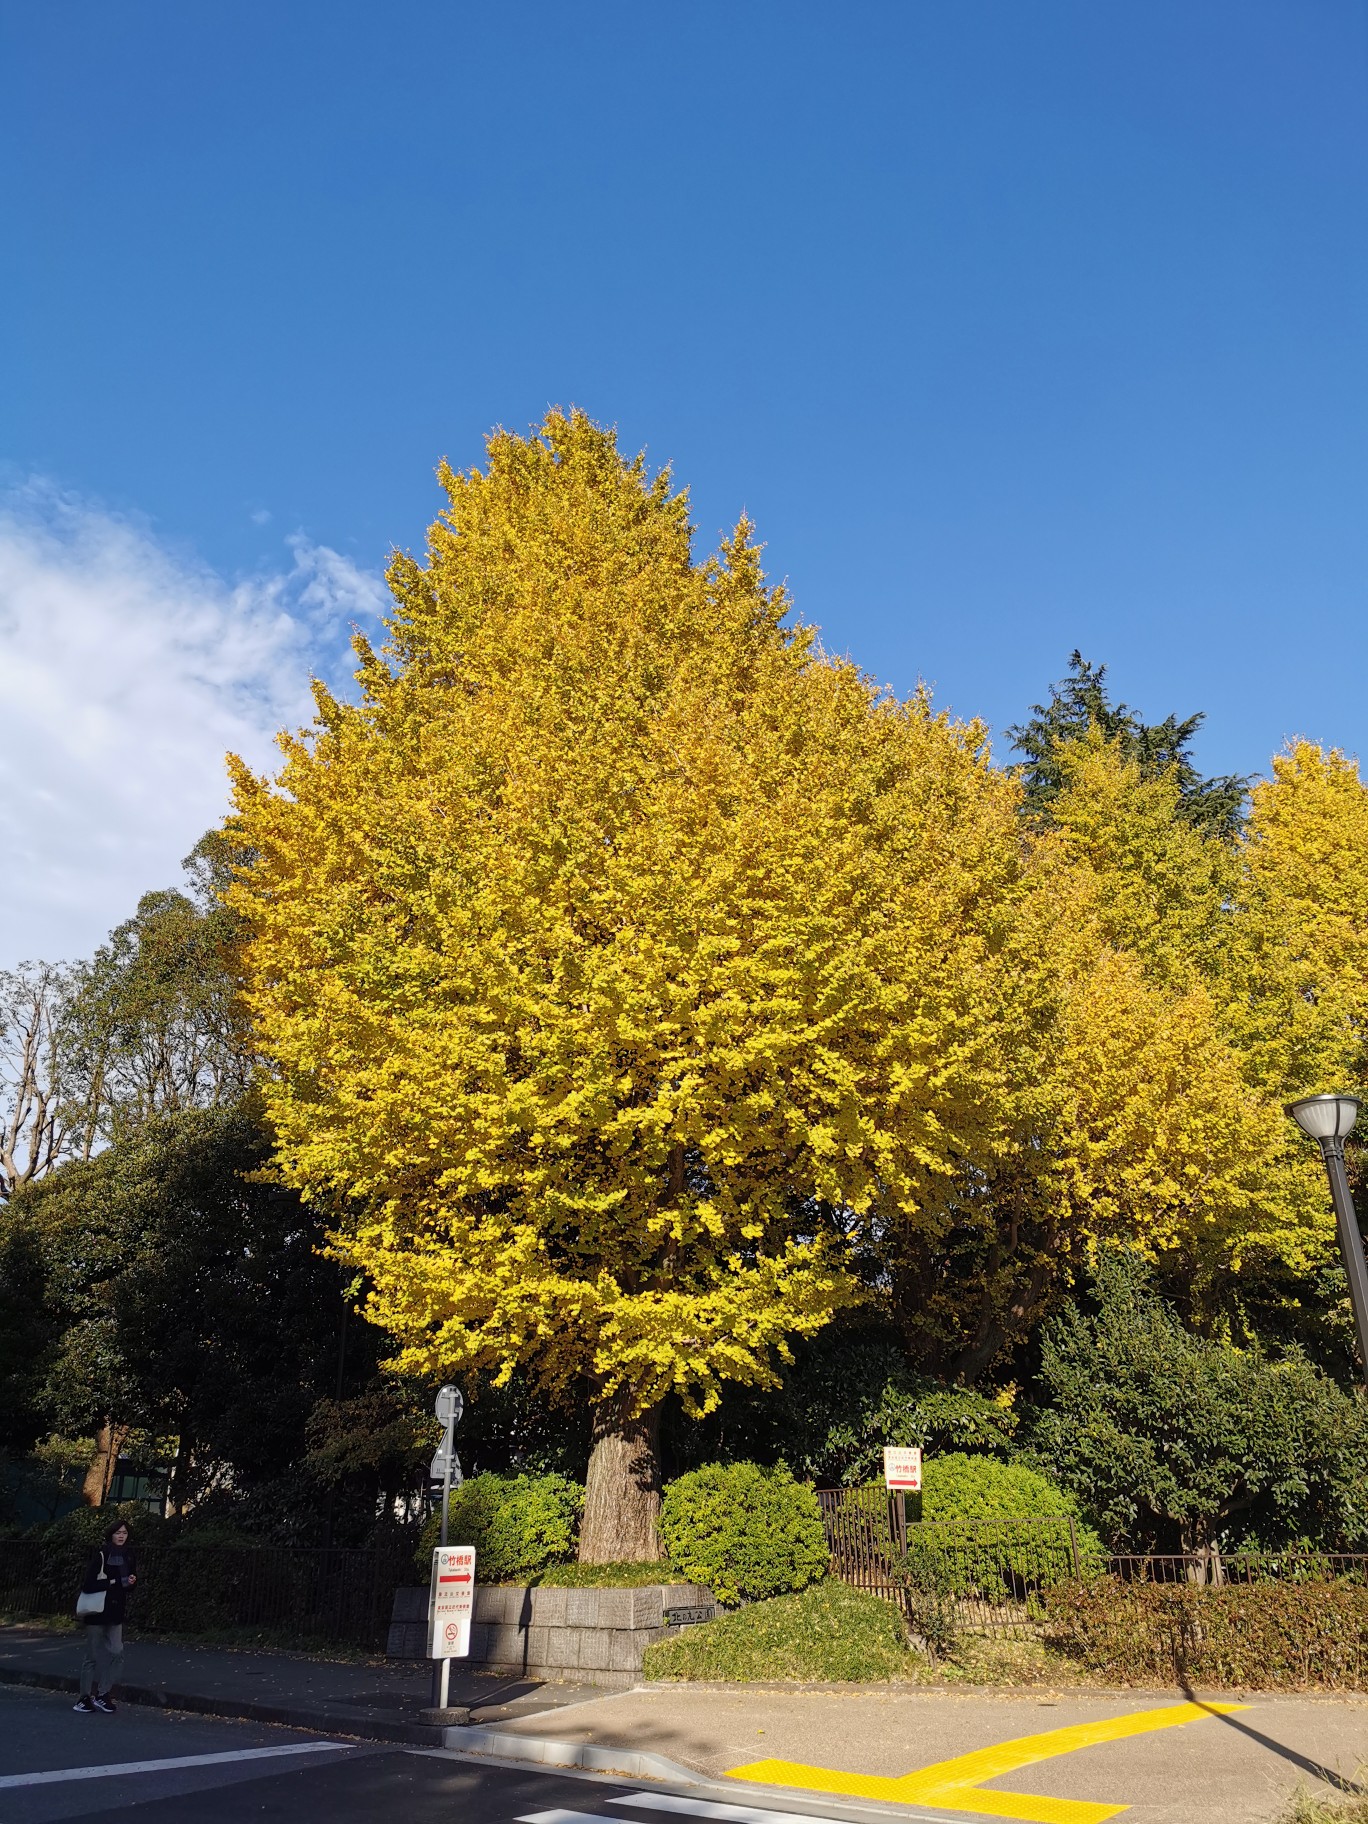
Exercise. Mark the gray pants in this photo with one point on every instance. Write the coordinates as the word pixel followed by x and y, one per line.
pixel 103 1656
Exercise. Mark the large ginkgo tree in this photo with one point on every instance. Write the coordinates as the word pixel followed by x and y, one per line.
pixel 619 955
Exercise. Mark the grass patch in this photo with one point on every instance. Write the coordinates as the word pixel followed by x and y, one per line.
pixel 604 1576
pixel 829 1631
pixel 1314 1808
pixel 976 1661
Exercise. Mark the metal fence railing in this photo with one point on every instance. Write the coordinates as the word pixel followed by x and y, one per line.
pixel 332 1594
pixel 1220 1568
pixel 989 1569
pixel 862 1527
pixel 994 1571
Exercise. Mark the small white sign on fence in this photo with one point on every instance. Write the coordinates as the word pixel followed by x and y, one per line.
pixel 451 1601
pixel 902 1470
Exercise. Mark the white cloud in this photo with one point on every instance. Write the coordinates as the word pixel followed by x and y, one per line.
pixel 126 674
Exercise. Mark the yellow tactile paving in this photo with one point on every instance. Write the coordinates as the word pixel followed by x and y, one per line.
pixel 957 1785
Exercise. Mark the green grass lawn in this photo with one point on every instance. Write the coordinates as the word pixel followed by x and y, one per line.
pixel 832 1632
pixel 827 1632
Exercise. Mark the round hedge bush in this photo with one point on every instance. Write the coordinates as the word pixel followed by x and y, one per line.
pixel 744 1531
pixel 962 1487
pixel 519 1525
pixel 962 1549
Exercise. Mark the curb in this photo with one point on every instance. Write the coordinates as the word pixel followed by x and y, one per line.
pixel 543 1751
pixel 613 1765
pixel 336 1720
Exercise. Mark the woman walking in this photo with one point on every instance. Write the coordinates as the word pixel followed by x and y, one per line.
pixel 100 1608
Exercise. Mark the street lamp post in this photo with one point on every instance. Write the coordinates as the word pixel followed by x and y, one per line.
pixel 1329 1119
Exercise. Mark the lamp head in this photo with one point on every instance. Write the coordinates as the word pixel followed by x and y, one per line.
pixel 1325 1117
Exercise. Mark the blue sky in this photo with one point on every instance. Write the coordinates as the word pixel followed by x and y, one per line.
pixel 1015 328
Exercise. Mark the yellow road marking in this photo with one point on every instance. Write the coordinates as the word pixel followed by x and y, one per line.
pixel 956 1785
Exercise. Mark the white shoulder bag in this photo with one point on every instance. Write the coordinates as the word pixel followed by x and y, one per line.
pixel 91 1602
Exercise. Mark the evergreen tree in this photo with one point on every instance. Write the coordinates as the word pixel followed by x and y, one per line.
pixel 1082 701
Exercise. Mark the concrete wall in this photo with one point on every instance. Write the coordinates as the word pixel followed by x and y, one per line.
pixel 596 1636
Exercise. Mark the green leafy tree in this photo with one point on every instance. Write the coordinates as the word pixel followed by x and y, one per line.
pixel 1174 1442
pixel 157 1009
pixel 189 1295
pixel 151 1024
pixel 25 1335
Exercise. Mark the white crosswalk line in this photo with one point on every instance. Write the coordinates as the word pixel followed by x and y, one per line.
pixel 181 1761
pixel 562 1817
pixel 711 1808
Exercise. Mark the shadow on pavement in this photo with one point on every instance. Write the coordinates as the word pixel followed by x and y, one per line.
pixel 1350 1787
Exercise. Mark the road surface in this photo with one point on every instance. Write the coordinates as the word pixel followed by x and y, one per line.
pixel 145 1766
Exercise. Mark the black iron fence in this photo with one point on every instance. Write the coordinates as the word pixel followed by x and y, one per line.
pixel 1218 1569
pixel 989 1570
pixel 282 1591
pixel 993 1572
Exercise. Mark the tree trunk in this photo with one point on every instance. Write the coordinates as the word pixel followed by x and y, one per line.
pixel 622 1491
pixel 109 1441
pixel 176 1482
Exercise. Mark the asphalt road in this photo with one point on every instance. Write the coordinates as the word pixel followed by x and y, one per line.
pixel 100 1771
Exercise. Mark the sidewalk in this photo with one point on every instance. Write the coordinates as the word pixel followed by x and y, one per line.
pixel 378 1699
pixel 1068 1758
pixel 1072 1757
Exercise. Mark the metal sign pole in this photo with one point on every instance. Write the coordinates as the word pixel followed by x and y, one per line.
pixel 442 1682
pixel 450 1405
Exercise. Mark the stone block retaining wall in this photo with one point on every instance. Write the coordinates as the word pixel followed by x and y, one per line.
pixel 599 1637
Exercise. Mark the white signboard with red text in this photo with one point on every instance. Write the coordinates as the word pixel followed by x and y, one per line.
pixel 902 1470
pixel 451 1602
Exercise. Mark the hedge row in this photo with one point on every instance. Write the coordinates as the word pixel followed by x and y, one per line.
pixel 1264 1636
pixel 745 1532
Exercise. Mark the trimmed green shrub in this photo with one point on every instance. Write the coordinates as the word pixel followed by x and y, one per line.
pixel 1264 1635
pixel 827 1632
pixel 519 1525
pixel 744 1531
pixel 976 1538
pixel 962 1487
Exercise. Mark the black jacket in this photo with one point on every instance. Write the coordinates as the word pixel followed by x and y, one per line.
pixel 108 1569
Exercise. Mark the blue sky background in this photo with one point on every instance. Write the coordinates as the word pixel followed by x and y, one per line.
pixel 1014 327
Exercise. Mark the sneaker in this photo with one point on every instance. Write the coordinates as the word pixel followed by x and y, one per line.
pixel 103 1703
pixel 86 1707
